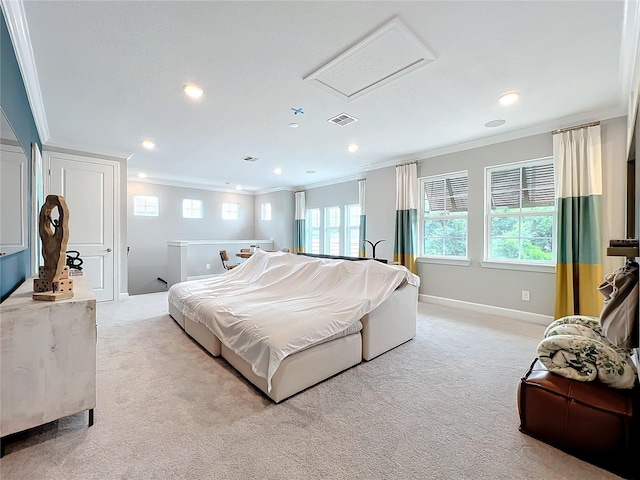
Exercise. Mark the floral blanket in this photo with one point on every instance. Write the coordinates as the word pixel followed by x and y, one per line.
pixel 575 347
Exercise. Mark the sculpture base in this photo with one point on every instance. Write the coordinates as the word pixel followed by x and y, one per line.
pixel 52 297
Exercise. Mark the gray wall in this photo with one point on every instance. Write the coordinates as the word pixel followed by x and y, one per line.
pixel 380 205
pixel 474 283
pixel 148 236
pixel 381 210
pixel 503 288
pixel 338 194
pixel 280 227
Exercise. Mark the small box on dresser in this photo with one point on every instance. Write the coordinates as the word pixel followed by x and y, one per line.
pixel 47 357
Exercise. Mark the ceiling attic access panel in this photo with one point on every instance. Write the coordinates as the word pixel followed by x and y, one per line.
pixel 383 57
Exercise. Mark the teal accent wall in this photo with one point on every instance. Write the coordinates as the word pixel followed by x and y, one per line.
pixel 14 269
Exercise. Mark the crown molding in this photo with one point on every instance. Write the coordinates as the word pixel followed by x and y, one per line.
pixel 180 184
pixel 16 19
pixel 326 183
pixel 117 156
pixel 273 190
pixel 545 127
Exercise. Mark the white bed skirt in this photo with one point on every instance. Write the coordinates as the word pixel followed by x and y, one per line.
pixel 392 323
pixel 303 369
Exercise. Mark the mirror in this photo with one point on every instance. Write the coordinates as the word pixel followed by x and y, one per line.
pixel 14 171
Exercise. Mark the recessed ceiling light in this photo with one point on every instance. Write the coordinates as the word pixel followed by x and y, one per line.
pixel 277 170
pixel 352 147
pixel 148 144
pixel 238 187
pixel 509 98
pixel 294 125
pixel 142 175
pixel 495 123
pixel 310 172
pixel 193 91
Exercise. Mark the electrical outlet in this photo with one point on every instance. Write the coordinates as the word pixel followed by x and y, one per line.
pixel 208 266
pixel 525 295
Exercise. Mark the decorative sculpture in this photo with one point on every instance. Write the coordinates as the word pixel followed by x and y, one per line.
pixel 373 247
pixel 53 282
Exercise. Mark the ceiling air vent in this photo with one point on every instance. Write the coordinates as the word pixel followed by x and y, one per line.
pixel 342 119
pixel 249 159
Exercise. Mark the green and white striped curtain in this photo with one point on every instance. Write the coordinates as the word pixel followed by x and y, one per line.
pixel 298 225
pixel 577 157
pixel 362 190
pixel 406 241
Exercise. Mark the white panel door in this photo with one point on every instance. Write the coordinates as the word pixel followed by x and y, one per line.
pixel 87 186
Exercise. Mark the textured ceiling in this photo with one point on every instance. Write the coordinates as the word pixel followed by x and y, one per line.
pixel 111 75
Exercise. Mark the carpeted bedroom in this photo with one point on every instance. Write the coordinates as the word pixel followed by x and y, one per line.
pixel 442 405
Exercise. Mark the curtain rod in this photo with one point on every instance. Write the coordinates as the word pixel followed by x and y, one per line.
pixel 592 124
pixel 408 163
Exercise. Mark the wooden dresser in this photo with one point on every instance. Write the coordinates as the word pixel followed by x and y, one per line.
pixel 47 357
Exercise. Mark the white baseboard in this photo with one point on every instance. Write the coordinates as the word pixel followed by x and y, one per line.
pixel 537 318
pixel 123 296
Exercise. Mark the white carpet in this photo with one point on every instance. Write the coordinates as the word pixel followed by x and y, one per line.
pixel 442 406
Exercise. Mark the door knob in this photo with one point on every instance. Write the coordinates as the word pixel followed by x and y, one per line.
pixel 108 249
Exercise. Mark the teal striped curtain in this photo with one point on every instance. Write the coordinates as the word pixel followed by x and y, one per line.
pixel 406 238
pixel 578 170
pixel 362 190
pixel 298 226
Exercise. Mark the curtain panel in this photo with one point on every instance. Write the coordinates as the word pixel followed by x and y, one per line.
pixel 362 191
pixel 577 158
pixel 406 232
pixel 298 224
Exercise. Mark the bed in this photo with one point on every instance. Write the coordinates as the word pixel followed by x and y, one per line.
pixel 287 322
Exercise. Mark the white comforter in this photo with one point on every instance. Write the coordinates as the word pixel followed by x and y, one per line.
pixel 276 304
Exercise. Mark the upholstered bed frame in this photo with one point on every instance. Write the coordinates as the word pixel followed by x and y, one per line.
pixel 392 323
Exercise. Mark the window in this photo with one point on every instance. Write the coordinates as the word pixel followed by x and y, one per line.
pixel 145 205
pixel 352 230
pixel 191 208
pixel 265 211
pixel 313 230
pixel 230 211
pixel 332 230
pixel 444 215
pixel 520 212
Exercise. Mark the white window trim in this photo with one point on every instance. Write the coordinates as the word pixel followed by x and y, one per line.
pixel 518 264
pixel 457 261
pixel 200 210
pixel 309 227
pixel 347 227
pixel 441 259
pixel 324 228
pixel 156 214
pixel 224 212
pixel 262 211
